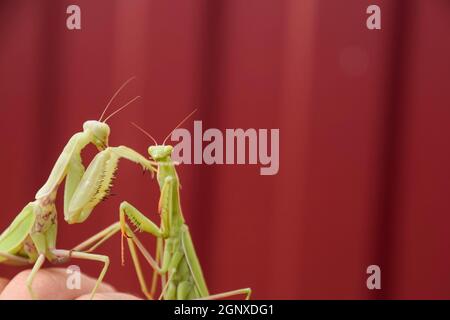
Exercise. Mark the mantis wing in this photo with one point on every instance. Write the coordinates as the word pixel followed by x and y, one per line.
pixel 193 262
pixel 12 238
pixel 60 168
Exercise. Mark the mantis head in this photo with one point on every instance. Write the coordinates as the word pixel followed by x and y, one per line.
pixel 160 152
pixel 100 133
pixel 157 151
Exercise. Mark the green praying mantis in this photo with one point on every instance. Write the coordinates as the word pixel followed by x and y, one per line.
pixel 31 237
pixel 174 243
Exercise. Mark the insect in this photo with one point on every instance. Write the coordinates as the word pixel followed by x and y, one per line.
pixel 180 263
pixel 31 237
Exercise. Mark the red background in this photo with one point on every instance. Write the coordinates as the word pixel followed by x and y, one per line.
pixel 363 117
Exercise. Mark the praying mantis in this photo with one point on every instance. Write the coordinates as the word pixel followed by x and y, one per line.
pixel 174 243
pixel 31 237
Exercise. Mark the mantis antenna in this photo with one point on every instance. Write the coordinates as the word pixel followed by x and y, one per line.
pixel 151 137
pixel 121 108
pixel 187 117
pixel 115 95
pixel 145 132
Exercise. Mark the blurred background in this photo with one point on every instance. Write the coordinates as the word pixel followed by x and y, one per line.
pixel 364 131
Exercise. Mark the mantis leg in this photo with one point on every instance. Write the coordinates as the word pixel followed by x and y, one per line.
pixel 13 259
pixel 87 256
pixel 169 262
pixel 144 224
pixel 96 240
pixel 29 283
pixel 139 273
pixel 134 240
pixel 159 246
pixel 246 291
pixel 151 261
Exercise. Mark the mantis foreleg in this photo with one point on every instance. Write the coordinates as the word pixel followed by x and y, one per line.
pixel 138 219
pixel 96 182
pixel 75 171
pixel 143 224
pixel 73 148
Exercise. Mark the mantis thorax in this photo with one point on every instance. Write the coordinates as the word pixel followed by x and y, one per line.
pixel 166 169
